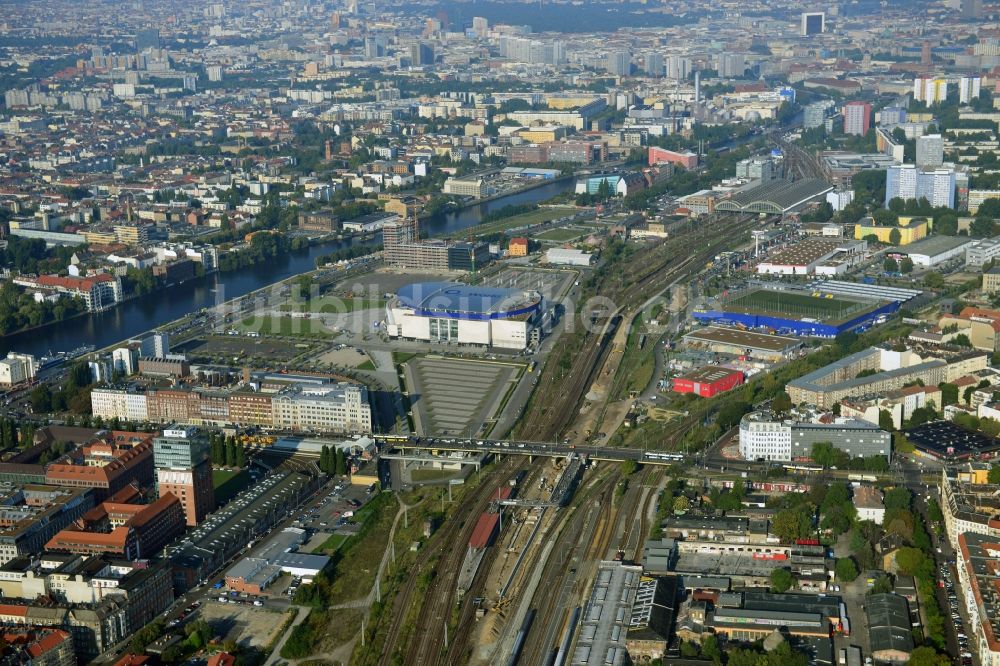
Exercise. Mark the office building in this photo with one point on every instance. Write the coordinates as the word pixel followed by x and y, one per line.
pixel 147 39
pixel 654 64
pixel 969 88
pixel 375 47
pixel 814 115
pixel 930 150
pixel 335 408
pixel 619 63
pixel 764 436
pixel 981 252
pixel 907 182
pixel 857 118
pixel 154 345
pixel 40 513
pixel 813 23
pixel 184 469
pixel 125 530
pixel 107 465
pixel 892 370
pixel 971 9
pixel 421 54
pixel 757 168
pixel 480 27
pixel 730 65
pixel 17 368
pixel 403 249
pixel 930 91
pixel 678 67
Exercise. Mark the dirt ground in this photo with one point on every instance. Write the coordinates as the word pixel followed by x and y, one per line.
pixel 247 625
pixel 347 357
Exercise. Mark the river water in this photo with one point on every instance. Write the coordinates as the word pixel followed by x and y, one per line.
pixel 140 315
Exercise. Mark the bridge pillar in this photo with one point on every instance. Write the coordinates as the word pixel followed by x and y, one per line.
pixel 531 459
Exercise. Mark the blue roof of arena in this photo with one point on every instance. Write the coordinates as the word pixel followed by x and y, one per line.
pixel 461 298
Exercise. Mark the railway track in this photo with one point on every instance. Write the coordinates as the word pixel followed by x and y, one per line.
pixel 452 536
pixel 589 521
pixel 440 596
pixel 633 284
pixel 645 276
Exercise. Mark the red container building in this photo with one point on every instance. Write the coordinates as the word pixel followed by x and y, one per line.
pixel 708 381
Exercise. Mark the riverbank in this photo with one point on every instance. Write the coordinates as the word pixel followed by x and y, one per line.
pixel 135 317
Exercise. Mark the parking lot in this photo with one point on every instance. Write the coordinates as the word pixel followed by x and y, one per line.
pixel 331 513
pixel 551 284
pixel 453 396
pixel 228 347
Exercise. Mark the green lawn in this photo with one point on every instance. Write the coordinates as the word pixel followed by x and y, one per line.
pixel 527 219
pixel 333 305
pixel 559 235
pixel 428 475
pixel 228 484
pixel 332 544
pixel 287 326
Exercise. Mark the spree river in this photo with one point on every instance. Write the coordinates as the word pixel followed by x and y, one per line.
pixel 140 315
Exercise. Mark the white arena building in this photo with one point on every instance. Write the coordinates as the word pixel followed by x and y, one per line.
pixel 457 313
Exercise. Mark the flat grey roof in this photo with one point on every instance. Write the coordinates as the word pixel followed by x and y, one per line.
pixel 933 245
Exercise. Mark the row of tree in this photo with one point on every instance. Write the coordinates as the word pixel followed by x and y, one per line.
pixel 332 461
pixel 11 435
pixel 227 451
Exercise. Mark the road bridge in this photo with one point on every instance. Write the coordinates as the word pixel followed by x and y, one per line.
pixel 527 448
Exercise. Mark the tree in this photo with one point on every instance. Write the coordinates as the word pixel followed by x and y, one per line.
pixel 994 474
pixel 782 580
pixel 885 421
pixel 927 656
pixel 41 399
pixel 792 524
pixel 933 280
pixel 710 648
pixel 911 561
pixel 949 393
pixel 895 237
pixel 782 402
pixel 989 208
pixel 846 570
pixel 897 498
pixel 629 467
pixel 604 190
pixel 882 585
pixel 731 413
pixel 906 265
pixel 889 265
pixel 689 650
pixel 982 227
pixel 947 225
